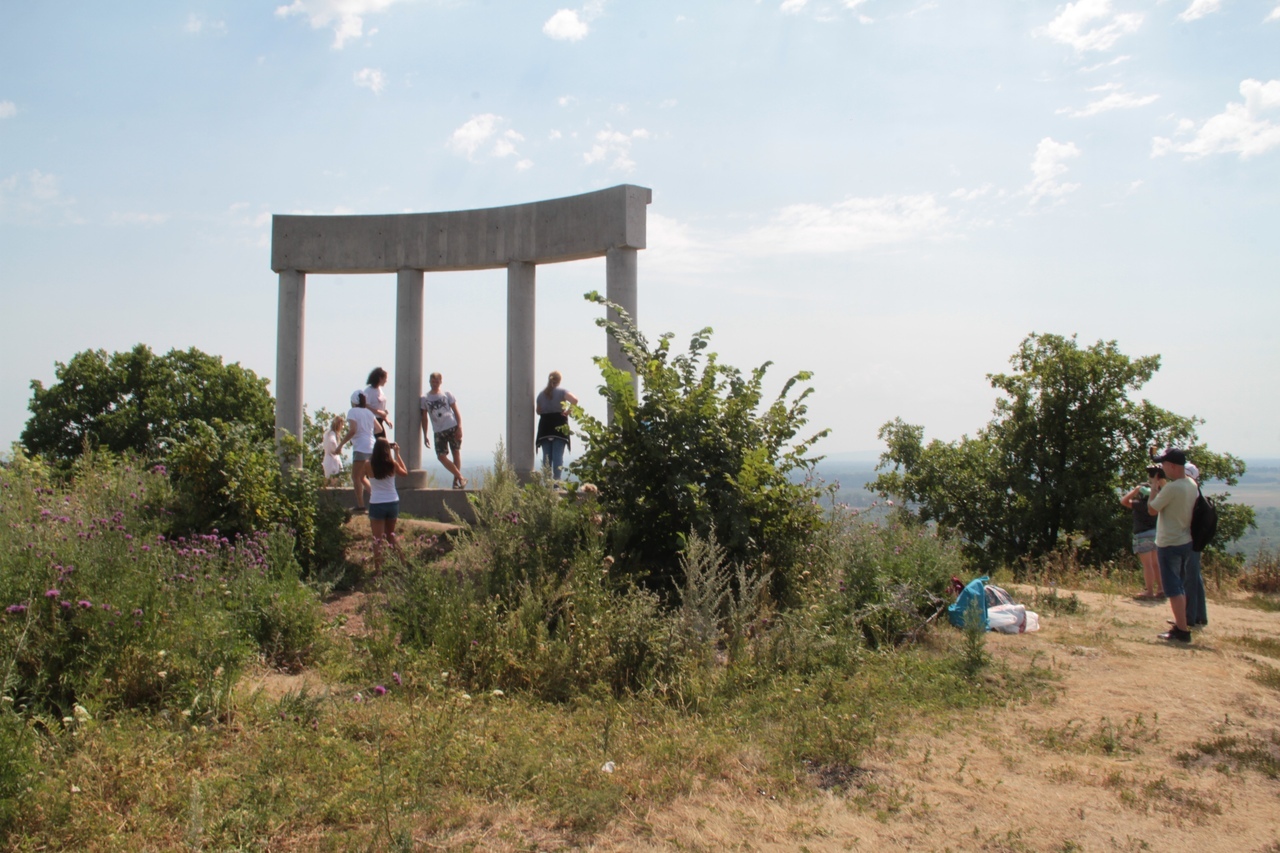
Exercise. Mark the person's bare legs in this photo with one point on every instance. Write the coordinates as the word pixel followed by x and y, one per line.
pixel 451 467
pixel 378 527
pixel 360 480
pixel 1151 573
pixel 457 466
pixel 1178 603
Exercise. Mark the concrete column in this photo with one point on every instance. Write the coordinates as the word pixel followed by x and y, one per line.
pixel 408 369
pixel 521 384
pixel 290 321
pixel 620 270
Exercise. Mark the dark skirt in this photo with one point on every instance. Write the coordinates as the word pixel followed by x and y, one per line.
pixel 552 426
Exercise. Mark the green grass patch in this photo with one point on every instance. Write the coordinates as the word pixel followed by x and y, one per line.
pixel 1227 753
pixel 1269 646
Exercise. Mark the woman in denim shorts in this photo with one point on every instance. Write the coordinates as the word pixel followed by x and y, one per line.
pixel 1144 532
pixel 384 500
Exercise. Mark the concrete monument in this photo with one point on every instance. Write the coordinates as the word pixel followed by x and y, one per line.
pixel 608 222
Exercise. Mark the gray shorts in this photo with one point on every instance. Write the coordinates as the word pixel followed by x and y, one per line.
pixel 357 456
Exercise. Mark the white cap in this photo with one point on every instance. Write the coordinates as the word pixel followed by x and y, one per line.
pixel 1192 471
pixel 355 397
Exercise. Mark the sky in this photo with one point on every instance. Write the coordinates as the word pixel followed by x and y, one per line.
pixel 891 194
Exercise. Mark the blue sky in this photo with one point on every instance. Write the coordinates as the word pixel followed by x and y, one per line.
pixel 889 193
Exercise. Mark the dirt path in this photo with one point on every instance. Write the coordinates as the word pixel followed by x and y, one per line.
pixel 1091 767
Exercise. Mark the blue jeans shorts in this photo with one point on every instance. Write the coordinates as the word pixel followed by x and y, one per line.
pixel 384 512
pixel 1173 568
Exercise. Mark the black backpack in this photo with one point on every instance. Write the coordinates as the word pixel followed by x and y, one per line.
pixel 1204 522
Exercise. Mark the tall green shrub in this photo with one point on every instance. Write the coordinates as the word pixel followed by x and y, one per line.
pixel 700 448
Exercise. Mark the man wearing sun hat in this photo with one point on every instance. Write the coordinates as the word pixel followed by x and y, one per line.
pixel 1172 506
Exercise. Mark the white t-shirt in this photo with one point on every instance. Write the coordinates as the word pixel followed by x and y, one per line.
pixel 374 398
pixel 440 408
pixel 383 491
pixel 362 421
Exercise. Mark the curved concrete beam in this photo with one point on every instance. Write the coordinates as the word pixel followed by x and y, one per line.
pixel 560 229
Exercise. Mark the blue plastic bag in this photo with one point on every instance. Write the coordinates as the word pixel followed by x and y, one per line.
pixel 976 590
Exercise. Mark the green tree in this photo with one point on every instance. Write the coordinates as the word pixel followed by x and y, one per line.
pixel 135 400
pixel 698 451
pixel 1064 441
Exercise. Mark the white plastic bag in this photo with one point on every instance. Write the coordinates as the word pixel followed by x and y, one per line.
pixel 1012 619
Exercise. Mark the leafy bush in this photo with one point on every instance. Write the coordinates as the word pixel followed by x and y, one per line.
pixel 226 478
pixel 525 601
pixel 102 609
pixel 698 450
pixel 885 577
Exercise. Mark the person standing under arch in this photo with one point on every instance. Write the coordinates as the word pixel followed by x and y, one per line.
pixel 552 406
pixel 361 423
pixel 441 417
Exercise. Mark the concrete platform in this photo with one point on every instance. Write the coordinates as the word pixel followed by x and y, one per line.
pixel 422 503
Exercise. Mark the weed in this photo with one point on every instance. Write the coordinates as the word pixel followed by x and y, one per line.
pixel 1269 646
pixel 1238 751
pixel 1266 602
pixel 975 655
pixel 1262 575
pixel 1266 675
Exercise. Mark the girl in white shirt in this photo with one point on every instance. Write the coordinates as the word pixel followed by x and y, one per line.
pixel 360 426
pixel 332 464
pixel 384 500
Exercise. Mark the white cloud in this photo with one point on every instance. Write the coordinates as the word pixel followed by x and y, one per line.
pixel 1047 167
pixel 566 101
pixel 1199 8
pixel 476 133
pixel 571 24
pixel 565 25
pixel 792 7
pixel 1239 129
pixel 1275 14
pixel 848 226
pixel 8 109
pixel 614 144
pixel 196 24
pixel 505 146
pixel 963 194
pixel 468 138
pixel 344 17
pixel 34 195
pixel 667 103
pixel 371 78
pixel 1114 100
pixel 1090 25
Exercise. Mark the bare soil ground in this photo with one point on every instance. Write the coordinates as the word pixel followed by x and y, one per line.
pixel 1091 767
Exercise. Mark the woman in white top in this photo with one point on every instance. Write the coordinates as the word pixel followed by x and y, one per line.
pixel 377 400
pixel 552 406
pixel 360 425
pixel 384 500
pixel 332 464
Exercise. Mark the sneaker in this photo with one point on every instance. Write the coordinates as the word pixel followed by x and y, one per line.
pixel 1176 634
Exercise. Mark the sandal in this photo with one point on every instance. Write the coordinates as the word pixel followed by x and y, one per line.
pixel 460 483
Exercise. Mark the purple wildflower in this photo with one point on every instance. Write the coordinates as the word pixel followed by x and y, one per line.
pixel 85 604
pixel 16 608
pixel 395 676
pixel 379 690
pixel 52 593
